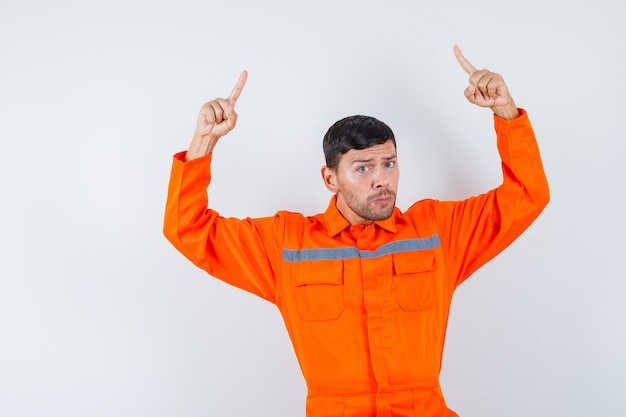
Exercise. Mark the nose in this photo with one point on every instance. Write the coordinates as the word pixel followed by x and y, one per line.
pixel 380 179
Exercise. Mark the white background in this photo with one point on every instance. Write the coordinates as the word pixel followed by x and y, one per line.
pixel 100 316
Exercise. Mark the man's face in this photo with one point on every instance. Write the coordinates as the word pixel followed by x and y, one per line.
pixel 366 182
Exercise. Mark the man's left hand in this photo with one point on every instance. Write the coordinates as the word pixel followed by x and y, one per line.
pixel 487 89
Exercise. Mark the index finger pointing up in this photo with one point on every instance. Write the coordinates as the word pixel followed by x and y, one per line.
pixel 238 88
pixel 465 64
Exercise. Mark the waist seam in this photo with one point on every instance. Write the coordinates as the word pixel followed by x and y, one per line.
pixel 361 393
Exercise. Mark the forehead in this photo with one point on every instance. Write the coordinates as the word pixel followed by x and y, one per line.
pixel 383 151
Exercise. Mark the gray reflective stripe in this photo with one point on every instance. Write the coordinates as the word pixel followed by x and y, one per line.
pixel 329 254
pixel 290 255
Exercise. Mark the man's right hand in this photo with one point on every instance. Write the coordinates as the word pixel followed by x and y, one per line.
pixel 216 118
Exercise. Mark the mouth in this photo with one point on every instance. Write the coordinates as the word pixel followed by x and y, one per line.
pixel 383 198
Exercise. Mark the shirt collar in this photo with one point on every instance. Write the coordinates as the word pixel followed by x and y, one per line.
pixel 335 222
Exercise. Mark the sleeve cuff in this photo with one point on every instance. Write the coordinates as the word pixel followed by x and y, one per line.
pixel 180 158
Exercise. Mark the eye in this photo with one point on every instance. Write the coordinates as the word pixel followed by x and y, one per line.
pixel 390 164
pixel 362 169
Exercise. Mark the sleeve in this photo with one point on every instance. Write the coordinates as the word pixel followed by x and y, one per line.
pixel 241 252
pixel 475 230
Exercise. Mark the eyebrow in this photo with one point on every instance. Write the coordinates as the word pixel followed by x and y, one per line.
pixel 365 161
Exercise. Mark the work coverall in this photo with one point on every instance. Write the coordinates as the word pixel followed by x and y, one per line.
pixel 365 306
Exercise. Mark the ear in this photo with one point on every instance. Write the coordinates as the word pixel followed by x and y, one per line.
pixel 330 179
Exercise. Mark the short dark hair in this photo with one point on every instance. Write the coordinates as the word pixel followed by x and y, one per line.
pixel 354 132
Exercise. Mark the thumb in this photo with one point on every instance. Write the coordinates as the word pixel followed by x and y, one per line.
pixel 470 93
pixel 231 117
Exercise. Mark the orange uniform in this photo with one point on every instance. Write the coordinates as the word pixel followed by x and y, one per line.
pixel 366 307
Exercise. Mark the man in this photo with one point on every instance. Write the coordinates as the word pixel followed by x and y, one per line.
pixel 364 289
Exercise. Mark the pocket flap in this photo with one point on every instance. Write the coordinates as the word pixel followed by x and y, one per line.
pixel 320 272
pixel 412 262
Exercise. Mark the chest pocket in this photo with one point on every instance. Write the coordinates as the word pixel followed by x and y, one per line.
pixel 319 290
pixel 414 280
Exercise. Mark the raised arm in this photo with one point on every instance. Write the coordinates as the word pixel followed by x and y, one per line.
pixel 244 253
pixel 487 89
pixel 216 118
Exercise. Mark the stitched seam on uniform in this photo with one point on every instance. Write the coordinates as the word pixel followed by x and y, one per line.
pixel 330 254
pixel 411 388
